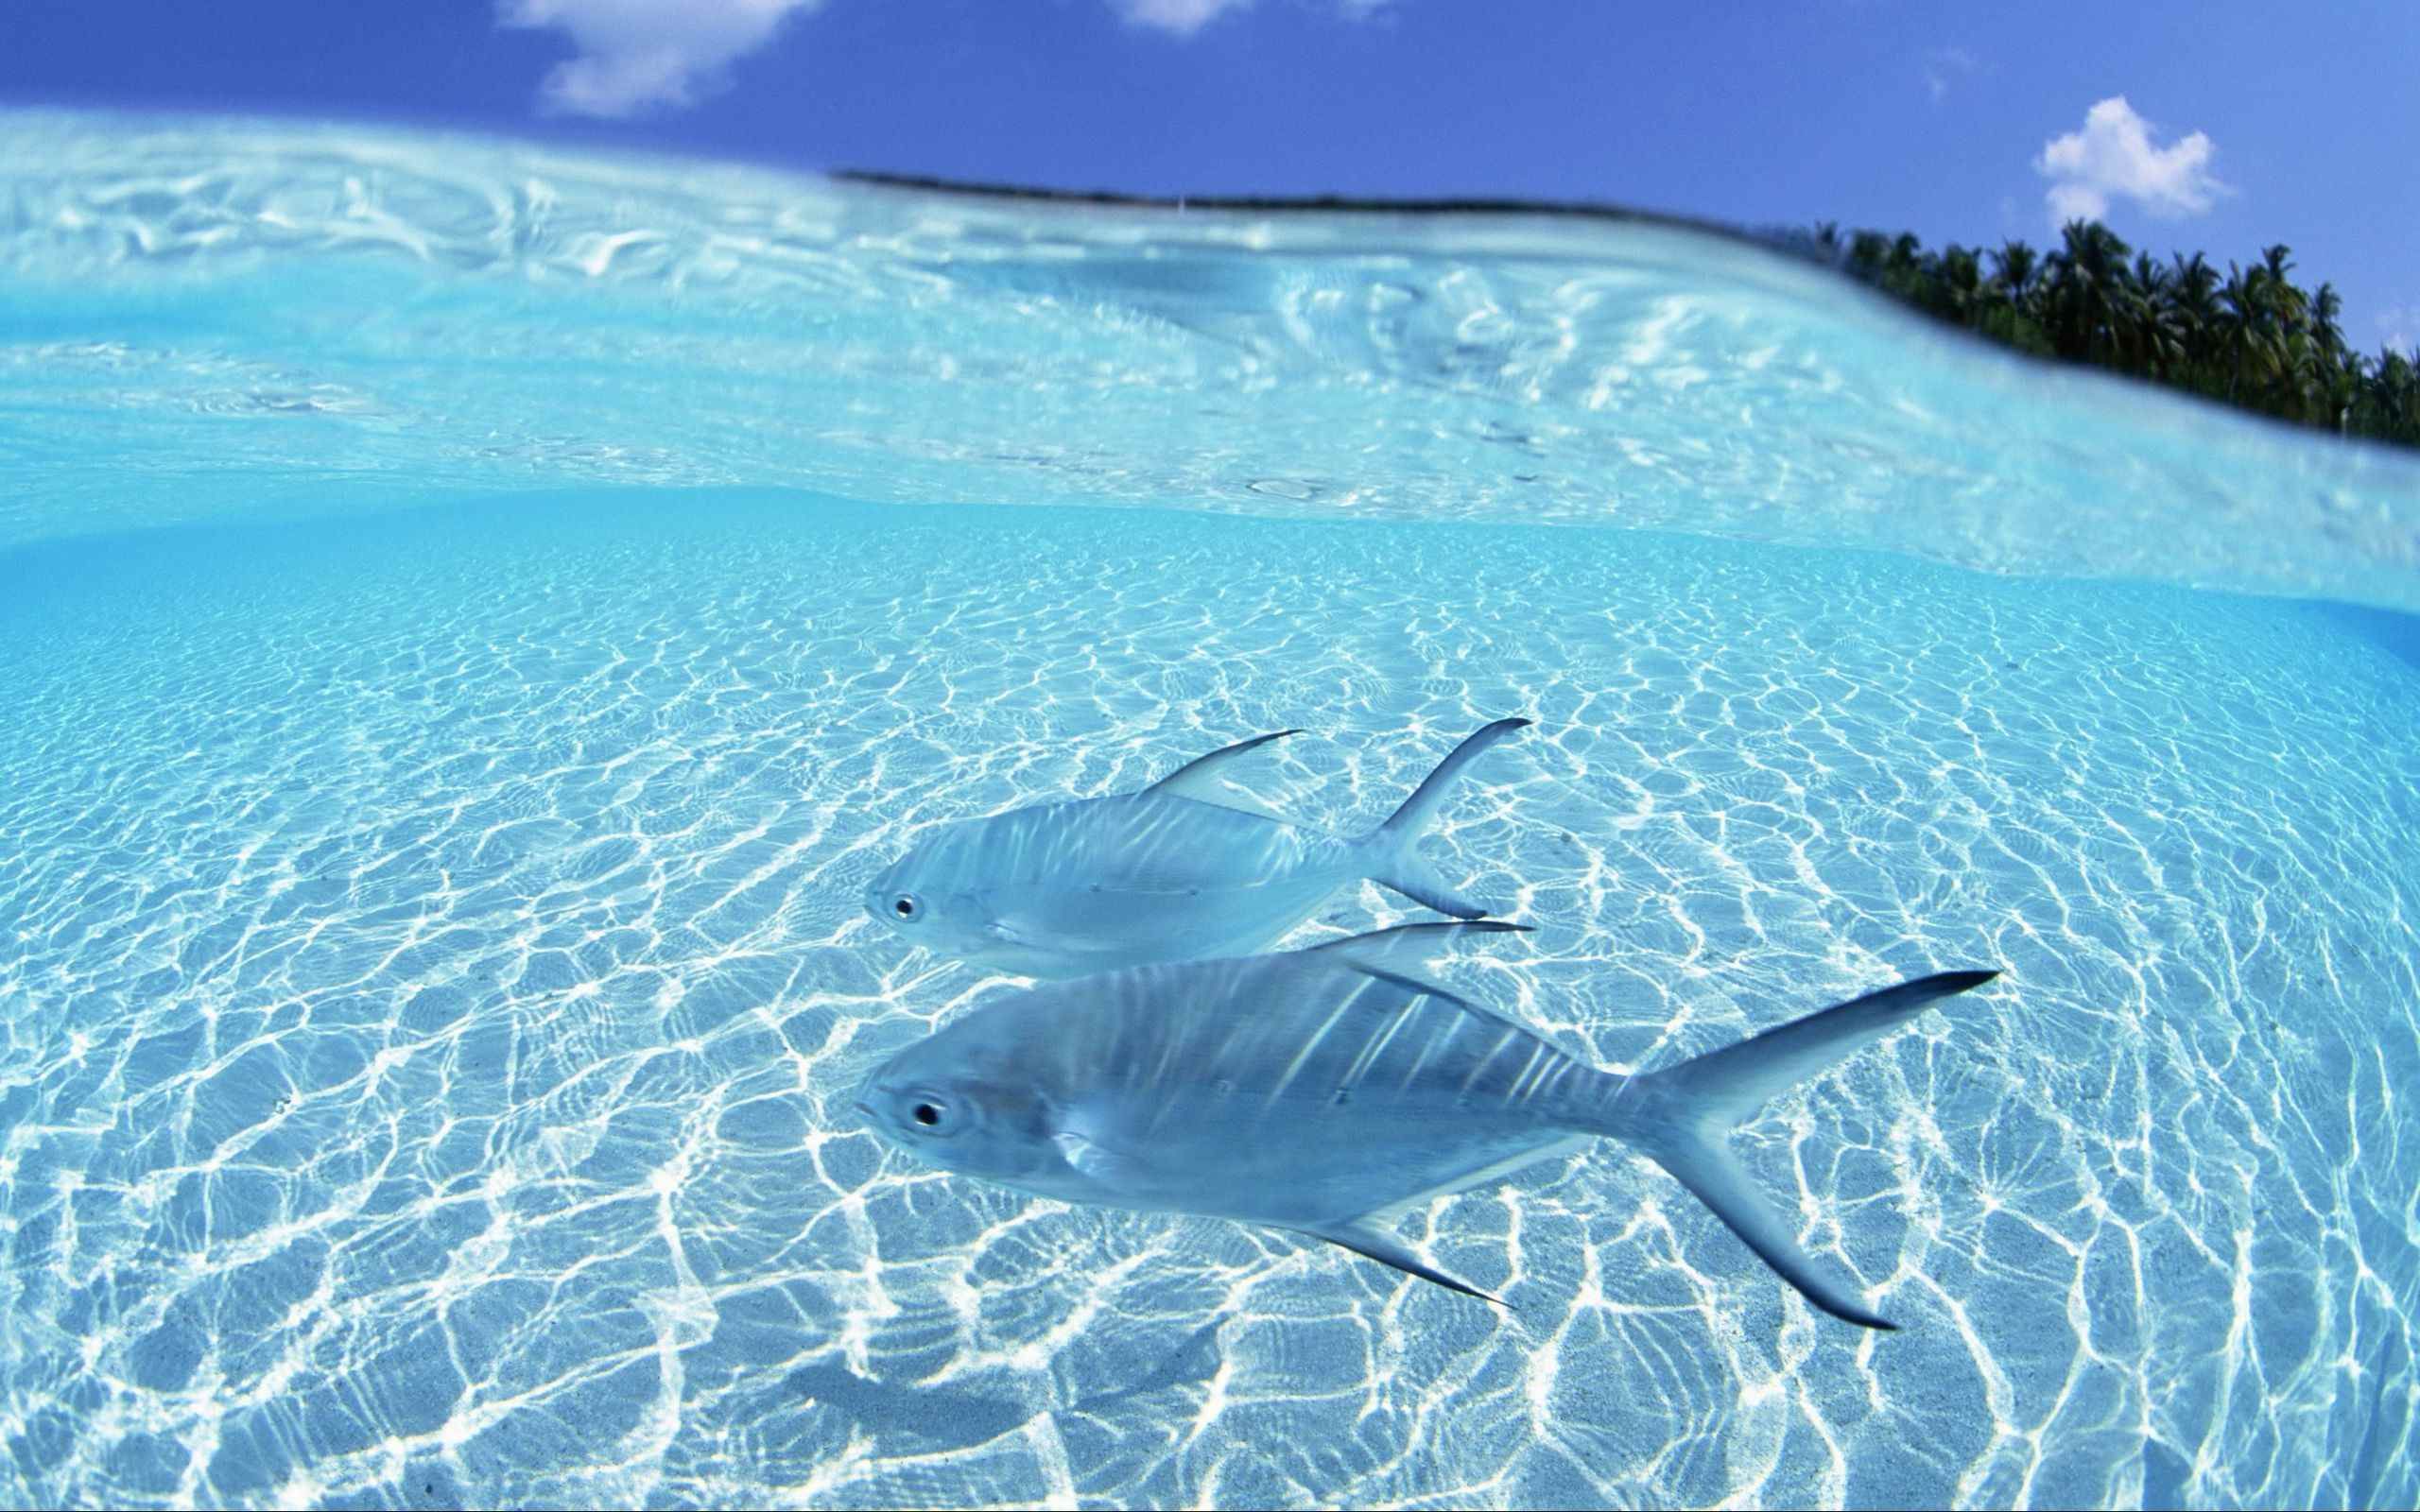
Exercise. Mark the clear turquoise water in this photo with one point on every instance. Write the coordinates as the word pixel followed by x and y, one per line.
pixel 471 618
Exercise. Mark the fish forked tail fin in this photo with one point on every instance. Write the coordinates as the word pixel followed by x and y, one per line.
pixel 1402 868
pixel 1681 1117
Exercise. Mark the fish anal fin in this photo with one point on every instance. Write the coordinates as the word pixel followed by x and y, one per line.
pixel 1203 780
pixel 1371 1245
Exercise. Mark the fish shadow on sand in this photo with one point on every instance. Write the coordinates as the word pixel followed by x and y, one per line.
pixel 954 1416
pixel 1191 1363
pixel 944 1416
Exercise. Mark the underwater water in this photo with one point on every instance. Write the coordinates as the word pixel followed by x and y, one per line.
pixel 473 618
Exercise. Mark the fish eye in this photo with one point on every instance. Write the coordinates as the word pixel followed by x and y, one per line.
pixel 906 906
pixel 928 1113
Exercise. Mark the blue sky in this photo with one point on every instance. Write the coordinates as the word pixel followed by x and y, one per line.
pixel 2240 125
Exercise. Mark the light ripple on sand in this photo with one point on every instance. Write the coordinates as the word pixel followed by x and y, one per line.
pixel 435 993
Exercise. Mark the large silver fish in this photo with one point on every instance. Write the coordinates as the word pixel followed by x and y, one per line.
pixel 1185 869
pixel 1330 1089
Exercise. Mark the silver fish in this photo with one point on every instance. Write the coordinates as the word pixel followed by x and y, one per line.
pixel 1329 1091
pixel 1185 869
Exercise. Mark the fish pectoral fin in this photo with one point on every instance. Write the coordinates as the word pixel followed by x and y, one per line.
pixel 1099 1162
pixel 1200 781
pixel 1070 948
pixel 1013 929
pixel 1371 1245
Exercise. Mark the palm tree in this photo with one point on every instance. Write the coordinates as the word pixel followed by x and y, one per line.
pixel 2087 276
pixel 2331 362
pixel 2252 337
pixel 2241 327
pixel 2341 389
pixel 2014 265
pixel 1960 283
pixel 2325 308
pixel 2154 329
pixel 1868 250
pixel 2287 304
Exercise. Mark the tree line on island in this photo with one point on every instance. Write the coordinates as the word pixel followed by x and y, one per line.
pixel 2249 336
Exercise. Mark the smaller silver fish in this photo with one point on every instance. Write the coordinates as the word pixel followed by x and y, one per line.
pixel 1183 870
pixel 1329 1091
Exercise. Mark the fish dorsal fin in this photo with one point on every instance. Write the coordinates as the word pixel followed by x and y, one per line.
pixel 1398 953
pixel 1201 780
pixel 1365 1241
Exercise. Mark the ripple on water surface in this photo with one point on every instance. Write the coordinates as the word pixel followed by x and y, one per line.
pixel 211 320
pixel 435 989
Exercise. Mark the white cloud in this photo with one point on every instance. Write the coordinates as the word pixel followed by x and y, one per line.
pixel 1185 17
pixel 1943 66
pixel 1182 17
pixel 641 54
pixel 2401 324
pixel 2113 158
pixel 635 55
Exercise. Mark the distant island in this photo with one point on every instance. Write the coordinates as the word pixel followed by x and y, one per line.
pixel 2250 338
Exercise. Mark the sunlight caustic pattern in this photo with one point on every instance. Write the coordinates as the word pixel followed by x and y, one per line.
pixel 437 985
